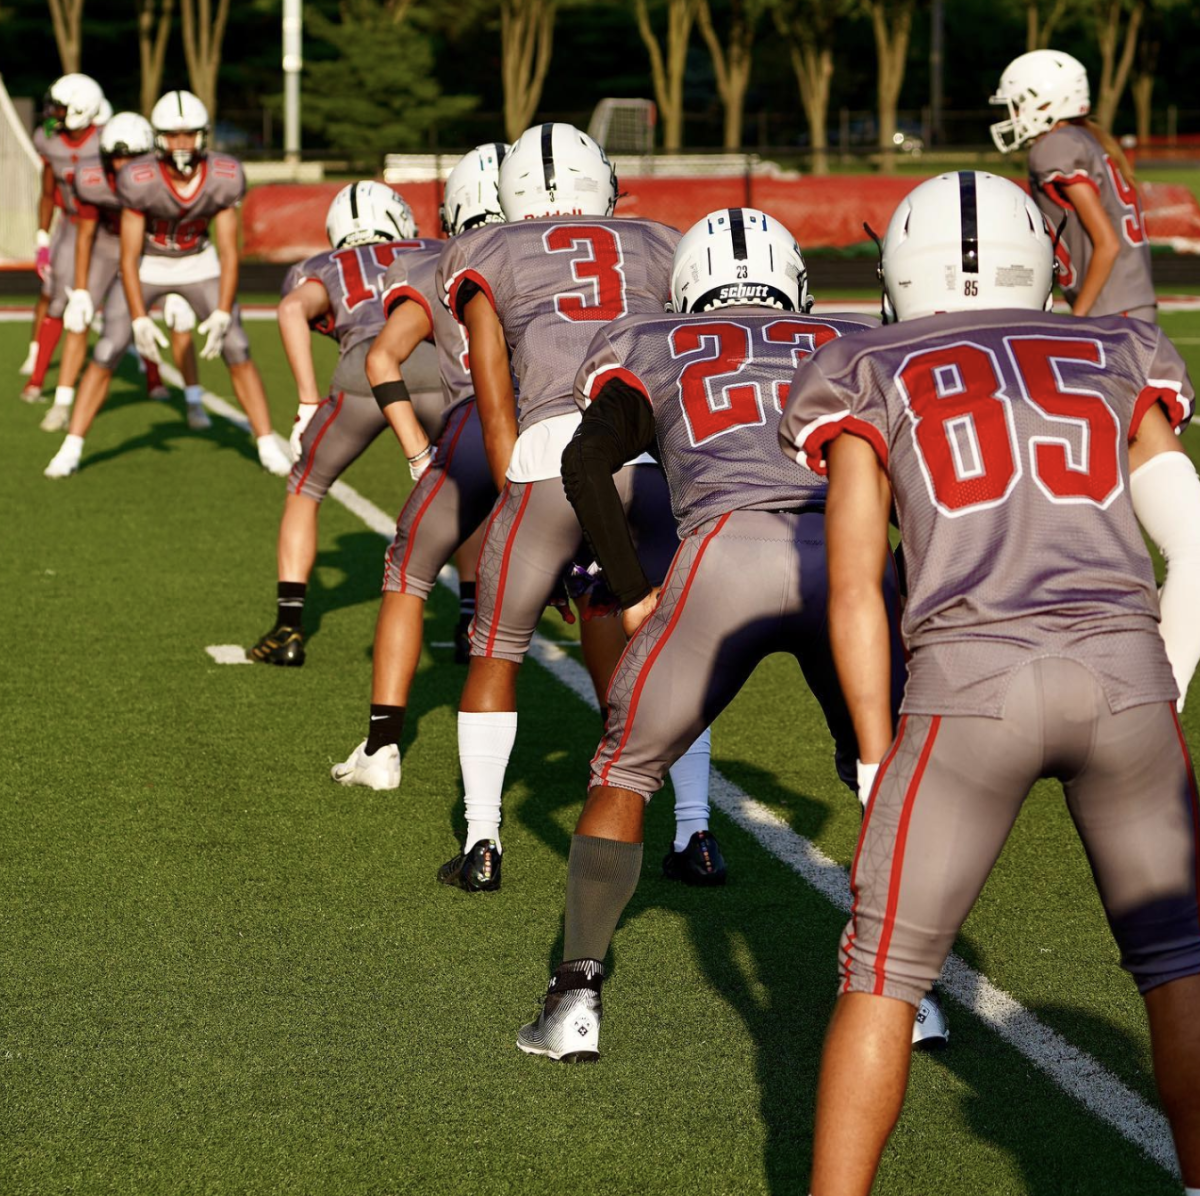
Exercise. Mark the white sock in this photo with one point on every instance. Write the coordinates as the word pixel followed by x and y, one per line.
pixel 689 775
pixel 485 742
pixel 64 396
pixel 193 394
pixel 72 446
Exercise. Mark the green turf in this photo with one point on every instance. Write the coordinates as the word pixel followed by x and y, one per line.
pixel 222 973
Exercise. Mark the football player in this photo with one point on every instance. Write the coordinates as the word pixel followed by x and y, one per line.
pixel 337 292
pixel 1011 442
pixel 1081 179
pixel 539 285
pixel 454 490
pixel 97 261
pixel 168 202
pixel 704 382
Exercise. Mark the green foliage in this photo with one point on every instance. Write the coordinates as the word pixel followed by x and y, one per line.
pixel 378 92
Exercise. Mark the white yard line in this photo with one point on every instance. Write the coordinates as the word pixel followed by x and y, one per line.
pixel 1074 1071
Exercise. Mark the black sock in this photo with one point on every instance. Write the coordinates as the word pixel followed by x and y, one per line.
pixel 387 723
pixel 466 601
pixel 291 604
pixel 601 877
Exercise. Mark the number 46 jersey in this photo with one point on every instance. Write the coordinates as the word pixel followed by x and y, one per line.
pixel 716 382
pixel 1005 437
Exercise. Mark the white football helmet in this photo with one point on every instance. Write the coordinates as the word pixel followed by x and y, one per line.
pixel 366 213
pixel 180 112
pixel 126 135
pixel 967 241
pixel 556 170
pixel 738 256
pixel 471 194
pixel 74 101
pixel 1039 89
pixel 105 114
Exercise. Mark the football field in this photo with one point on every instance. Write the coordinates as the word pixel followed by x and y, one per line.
pixel 220 972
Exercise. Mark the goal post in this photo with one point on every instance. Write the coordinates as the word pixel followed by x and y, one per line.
pixel 20 184
pixel 624 126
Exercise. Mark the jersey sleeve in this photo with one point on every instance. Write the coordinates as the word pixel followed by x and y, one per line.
pixel 135 183
pixel 1168 384
pixel 603 365
pixel 1060 159
pixel 403 285
pixel 297 276
pixel 824 403
pixel 464 268
pixel 228 181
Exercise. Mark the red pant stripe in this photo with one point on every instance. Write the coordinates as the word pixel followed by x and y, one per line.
pixel 504 560
pixel 312 456
pixel 644 672
pixel 889 918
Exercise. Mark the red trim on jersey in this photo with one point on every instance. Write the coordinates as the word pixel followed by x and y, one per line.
pixel 312 455
pixel 862 834
pixel 1173 404
pixel 615 373
pixel 644 671
pixel 443 474
pixel 395 295
pixel 893 899
pixel 827 430
pixel 504 562
pixel 183 199
pixel 456 282
pixel 1054 185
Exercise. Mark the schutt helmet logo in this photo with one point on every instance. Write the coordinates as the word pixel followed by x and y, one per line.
pixel 744 290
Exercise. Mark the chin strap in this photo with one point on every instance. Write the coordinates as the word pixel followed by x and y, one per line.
pixel 883 311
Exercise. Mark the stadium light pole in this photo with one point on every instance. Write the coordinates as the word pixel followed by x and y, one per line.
pixel 293 61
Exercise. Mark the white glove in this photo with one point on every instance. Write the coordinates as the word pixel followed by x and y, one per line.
pixel 304 415
pixel 80 310
pixel 421 462
pixel 215 328
pixel 177 314
pixel 866 780
pixel 147 338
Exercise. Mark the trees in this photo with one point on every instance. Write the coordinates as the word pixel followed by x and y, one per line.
pixel 203 35
pixel 1042 18
pixel 891 23
pixel 526 42
pixel 732 56
pixel 1117 48
pixel 666 69
pixel 67 18
pixel 807 26
pixel 154 30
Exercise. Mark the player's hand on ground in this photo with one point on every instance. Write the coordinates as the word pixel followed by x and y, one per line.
pixel 634 616
pixel 561 602
pixel 147 338
pixel 215 328
pixel 80 311
pixel 304 415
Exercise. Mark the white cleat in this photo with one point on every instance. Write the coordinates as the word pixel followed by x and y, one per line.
pixel 62 464
pixel 272 458
pixel 159 393
pixel 31 394
pixel 197 417
pixel 380 771
pixel 30 361
pixel 57 418
pixel 931 1030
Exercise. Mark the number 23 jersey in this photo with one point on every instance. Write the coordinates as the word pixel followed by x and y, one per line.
pixel 1005 437
pixel 553 282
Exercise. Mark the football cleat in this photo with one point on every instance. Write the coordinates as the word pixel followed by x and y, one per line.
pixel 159 393
pixel 476 871
pixel 197 417
pixel 30 361
pixel 380 771
pixel 272 458
pixel 57 418
pixel 62 464
pixel 568 1027
pixel 31 393
pixel 931 1030
pixel 462 641
pixel 282 646
pixel 699 863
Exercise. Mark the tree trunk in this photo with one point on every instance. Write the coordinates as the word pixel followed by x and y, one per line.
pixel 813 68
pixel 1114 70
pixel 526 45
pixel 67 19
pixel 1142 88
pixel 203 35
pixel 1039 33
pixel 667 71
pixel 732 65
pixel 154 30
pixel 891 50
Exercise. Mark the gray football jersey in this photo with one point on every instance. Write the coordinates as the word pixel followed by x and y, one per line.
pixel 1068 155
pixel 96 199
pixel 1005 436
pixel 177 223
pixel 412 277
pixel 66 158
pixel 552 282
pixel 717 383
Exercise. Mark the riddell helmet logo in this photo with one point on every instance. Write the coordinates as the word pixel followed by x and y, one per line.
pixel 543 215
pixel 745 290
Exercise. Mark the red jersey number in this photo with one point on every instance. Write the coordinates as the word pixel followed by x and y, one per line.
pixel 360 269
pixel 713 402
pixel 1131 225
pixel 182 235
pixel 598 264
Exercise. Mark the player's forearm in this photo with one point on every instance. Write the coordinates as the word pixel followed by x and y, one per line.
pixel 228 258
pixel 1099 270
pixel 403 421
pixel 133 229
pixel 45 212
pixel 85 238
pixel 297 347
pixel 858 635
pixel 498 442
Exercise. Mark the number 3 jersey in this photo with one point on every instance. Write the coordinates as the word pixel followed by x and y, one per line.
pixel 1005 437
pixel 717 383
pixel 1069 155
pixel 178 214
pixel 553 281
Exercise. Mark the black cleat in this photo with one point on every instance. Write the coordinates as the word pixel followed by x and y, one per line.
pixel 699 863
pixel 477 871
pixel 282 646
pixel 462 640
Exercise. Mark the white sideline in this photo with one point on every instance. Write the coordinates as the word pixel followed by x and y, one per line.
pixel 1074 1071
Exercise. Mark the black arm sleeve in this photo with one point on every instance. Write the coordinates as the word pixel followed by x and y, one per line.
pixel 616 427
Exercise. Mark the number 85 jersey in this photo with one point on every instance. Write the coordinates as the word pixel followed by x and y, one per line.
pixel 1005 435
pixel 553 281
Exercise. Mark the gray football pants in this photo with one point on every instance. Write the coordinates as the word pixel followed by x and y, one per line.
pixel 950 789
pixel 741 587
pixel 62 266
pixel 532 537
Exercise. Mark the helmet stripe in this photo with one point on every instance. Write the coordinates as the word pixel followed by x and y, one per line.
pixel 354 201
pixel 968 207
pixel 500 149
pixel 548 158
pixel 737 230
